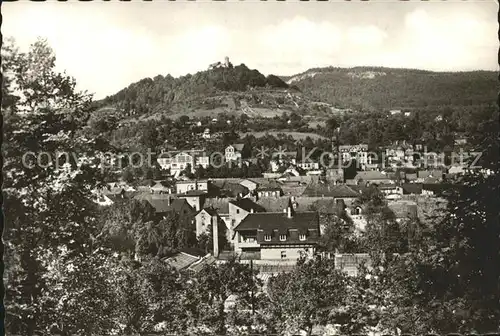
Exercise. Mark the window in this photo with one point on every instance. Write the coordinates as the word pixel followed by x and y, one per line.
pixel 267 237
pixel 283 254
pixel 282 237
pixel 302 237
pixel 237 211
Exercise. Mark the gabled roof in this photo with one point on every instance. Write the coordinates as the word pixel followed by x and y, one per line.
pixel 162 206
pixel 192 181
pixel 328 190
pixel 239 146
pixel 387 186
pixel 161 202
pixel 192 193
pixel 265 182
pixel 247 205
pixel 162 186
pixel 412 188
pixel 181 260
pixel 371 175
pixel 220 204
pixel 411 176
pixel 205 261
pixel 428 173
pixel 210 211
pixel 279 220
pixel 323 206
pixel 274 204
pixel 232 189
pixel 269 189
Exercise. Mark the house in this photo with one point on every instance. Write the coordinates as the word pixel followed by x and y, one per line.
pixel 176 161
pixel 355 152
pixel 336 192
pixel 249 184
pixel 240 208
pixel 278 236
pixel 310 165
pixel 205 219
pixel 357 217
pixel 165 204
pixel 390 190
pixel 189 261
pixel 426 174
pixel 410 177
pixel 268 192
pixel 400 153
pixel 372 176
pixel 103 200
pixel 394 112
pixel 412 188
pixel 185 186
pixel 195 198
pixel 282 157
pixel 206 133
pixel 335 175
pixel 275 204
pixel 162 187
pixel 234 152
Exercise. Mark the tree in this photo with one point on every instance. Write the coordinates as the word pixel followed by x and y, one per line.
pixel 213 285
pixel 307 296
pixel 135 310
pixel 49 204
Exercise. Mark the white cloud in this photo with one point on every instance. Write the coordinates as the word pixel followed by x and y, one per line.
pixel 369 36
pixel 452 44
pixel 300 39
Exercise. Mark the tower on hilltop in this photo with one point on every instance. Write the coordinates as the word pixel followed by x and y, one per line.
pixel 226 62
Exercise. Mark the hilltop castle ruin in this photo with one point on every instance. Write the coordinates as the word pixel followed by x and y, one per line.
pixel 225 64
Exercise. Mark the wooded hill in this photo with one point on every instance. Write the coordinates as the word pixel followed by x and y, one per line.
pixel 377 88
pixel 205 89
pixel 318 93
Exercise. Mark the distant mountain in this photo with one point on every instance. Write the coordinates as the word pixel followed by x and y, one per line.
pixel 375 88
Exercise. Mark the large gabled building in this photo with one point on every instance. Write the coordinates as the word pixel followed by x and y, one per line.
pixel 278 235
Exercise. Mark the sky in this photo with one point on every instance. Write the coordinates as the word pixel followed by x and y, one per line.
pixel 108 45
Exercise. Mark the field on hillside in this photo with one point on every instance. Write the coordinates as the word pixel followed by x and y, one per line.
pixel 295 135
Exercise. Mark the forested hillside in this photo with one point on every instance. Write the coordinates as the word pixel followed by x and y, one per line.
pixel 372 88
pixel 358 89
pixel 162 93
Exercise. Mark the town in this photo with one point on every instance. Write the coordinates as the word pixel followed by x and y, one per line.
pixel 273 219
pixel 342 181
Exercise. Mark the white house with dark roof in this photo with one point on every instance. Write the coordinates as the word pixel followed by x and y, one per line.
pixel 278 235
pixel 234 152
pixel 177 161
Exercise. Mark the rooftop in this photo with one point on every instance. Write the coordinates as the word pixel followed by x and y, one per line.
pixel 269 221
pixel 329 190
pixel 248 205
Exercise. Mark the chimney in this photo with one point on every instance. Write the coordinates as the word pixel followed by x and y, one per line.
pixel 251 210
pixel 289 212
pixel 215 236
